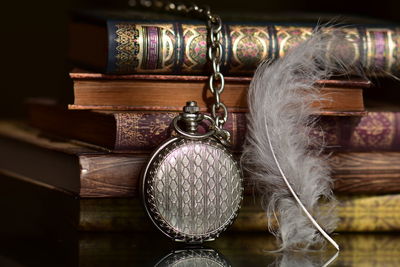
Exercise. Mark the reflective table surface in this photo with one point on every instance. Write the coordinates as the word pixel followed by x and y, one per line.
pixel 232 249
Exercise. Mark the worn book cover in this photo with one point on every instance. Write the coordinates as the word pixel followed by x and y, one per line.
pixel 90 172
pixel 170 92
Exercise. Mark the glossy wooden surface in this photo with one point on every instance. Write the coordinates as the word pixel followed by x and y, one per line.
pixel 231 250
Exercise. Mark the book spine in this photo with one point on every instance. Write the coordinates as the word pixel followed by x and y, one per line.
pixel 375 131
pixel 180 48
pixel 110 176
pixel 366 172
pixel 356 214
pixel 354 172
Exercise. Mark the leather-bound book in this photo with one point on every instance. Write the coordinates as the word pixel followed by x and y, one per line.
pixel 147 42
pixel 170 92
pixel 92 172
pixel 142 131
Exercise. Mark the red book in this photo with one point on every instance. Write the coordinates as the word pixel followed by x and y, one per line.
pixel 135 131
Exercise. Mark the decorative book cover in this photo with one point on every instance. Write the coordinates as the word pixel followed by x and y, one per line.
pixel 144 130
pixel 179 47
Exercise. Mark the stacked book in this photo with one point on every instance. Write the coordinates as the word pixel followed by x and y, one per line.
pixel 88 156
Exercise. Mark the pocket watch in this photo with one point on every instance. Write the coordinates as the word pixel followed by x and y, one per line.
pixel 192 185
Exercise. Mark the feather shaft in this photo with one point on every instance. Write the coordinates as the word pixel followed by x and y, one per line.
pixel 313 221
pixel 334 257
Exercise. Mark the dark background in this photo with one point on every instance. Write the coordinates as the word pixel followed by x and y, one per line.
pixel 34 39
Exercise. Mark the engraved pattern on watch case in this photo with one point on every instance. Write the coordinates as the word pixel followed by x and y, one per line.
pixel 192 189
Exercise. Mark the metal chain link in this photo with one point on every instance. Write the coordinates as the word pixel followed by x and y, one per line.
pixel 214 52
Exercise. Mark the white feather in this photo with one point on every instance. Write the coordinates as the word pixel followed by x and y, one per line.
pixel 277 151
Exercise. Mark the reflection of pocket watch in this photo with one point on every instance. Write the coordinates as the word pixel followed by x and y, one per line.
pixel 192 186
pixel 193 257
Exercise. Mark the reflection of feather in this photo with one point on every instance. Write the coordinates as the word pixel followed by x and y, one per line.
pixel 295 259
pixel 276 153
